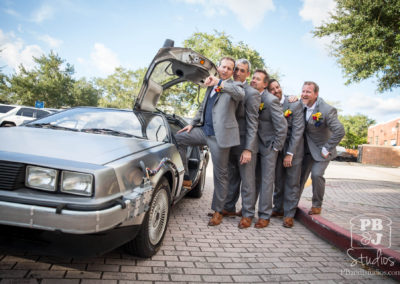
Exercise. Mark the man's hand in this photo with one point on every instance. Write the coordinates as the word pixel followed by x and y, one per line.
pixel 287 161
pixel 324 153
pixel 211 81
pixel 245 157
pixel 293 99
pixel 187 128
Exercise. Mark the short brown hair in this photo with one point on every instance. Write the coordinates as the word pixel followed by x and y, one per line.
pixel 229 59
pixel 266 78
pixel 316 87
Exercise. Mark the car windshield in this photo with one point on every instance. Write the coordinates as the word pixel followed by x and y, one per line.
pixel 93 120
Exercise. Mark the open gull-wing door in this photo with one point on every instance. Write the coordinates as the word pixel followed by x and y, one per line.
pixel 170 66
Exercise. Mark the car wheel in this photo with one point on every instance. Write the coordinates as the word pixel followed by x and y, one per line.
pixel 154 226
pixel 197 191
pixel 7 124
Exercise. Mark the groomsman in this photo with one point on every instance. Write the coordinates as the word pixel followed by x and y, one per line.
pixel 323 133
pixel 288 165
pixel 242 160
pixel 215 125
pixel 272 127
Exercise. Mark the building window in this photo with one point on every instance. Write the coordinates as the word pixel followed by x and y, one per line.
pixel 376 140
pixel 385 143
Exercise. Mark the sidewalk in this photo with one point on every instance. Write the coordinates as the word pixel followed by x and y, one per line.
pixel 353 192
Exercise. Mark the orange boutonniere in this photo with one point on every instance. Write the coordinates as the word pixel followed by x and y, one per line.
pixel 317 117
pixel 288 113
pixel 261 106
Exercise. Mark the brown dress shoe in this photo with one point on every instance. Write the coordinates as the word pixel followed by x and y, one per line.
pixel 216 219
pixel 226 213
pixel 239 213
pixel 288 222
pixel 261 223
pixel 315 210
pixel 187 183
pixel 245 222
pixel 276 214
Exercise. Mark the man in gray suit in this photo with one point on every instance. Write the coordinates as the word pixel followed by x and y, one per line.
pixel 288 165
pixel 242 160
pixel 323 133
pixel 215 125
pixel 272 127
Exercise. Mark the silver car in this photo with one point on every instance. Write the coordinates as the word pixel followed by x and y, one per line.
pixel 106 176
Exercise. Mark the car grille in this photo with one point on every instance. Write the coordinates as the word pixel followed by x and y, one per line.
pixel 12 175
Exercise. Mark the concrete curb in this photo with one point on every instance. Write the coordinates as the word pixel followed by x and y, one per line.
pixel 384 259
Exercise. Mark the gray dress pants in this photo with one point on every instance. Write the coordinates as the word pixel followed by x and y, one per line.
pixel 219 157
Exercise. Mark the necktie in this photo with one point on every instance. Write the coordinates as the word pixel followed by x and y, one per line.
pixel 305 114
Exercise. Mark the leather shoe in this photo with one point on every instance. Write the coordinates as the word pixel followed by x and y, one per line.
pixel 245 222
pixel 216 219
pixel 315 211
pixel 276 214
pixel 261 223
pixel 187 183
pixel 288 222
pixel 239 213
pixel 224 213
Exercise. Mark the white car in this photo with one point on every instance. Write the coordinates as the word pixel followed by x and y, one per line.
pixel 14 115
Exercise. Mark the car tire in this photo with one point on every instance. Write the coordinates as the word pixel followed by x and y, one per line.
pixel 7 124
pixel 197 191
pixel 151 234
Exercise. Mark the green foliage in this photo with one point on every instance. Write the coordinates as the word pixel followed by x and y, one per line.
pixel 366 40
pixel 50 82
pixel 356 127
pixel 119 90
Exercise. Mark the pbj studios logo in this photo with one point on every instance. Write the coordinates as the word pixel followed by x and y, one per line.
pixel 369 232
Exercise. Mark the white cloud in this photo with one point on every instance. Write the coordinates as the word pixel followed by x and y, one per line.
pixel 250 14
pixel 378 107
pixel 43 13
pixel 104 58
pixel 14 51
pixel 51 41
pixel 317 11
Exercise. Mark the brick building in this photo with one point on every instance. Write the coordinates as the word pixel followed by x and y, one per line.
pixel 385 134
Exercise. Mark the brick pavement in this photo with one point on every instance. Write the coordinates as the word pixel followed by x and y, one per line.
pixel 192 252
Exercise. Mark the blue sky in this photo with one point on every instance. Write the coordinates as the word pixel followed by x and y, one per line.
pixel 96 36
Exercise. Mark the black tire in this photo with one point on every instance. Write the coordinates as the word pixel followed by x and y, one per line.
pixel 8 124
pixel 197 191
pixel 151 234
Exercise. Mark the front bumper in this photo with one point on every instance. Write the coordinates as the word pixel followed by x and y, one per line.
pixel 78 222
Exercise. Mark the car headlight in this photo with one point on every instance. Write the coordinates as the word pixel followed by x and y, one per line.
pixel 41 178
pixel 76 183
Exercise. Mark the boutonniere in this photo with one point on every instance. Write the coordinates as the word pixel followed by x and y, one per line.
pixel 218 89
pixel 317 117
pixel 287 113
pixel 261 106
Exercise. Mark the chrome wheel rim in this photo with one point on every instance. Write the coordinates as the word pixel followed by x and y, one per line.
pixel 158 216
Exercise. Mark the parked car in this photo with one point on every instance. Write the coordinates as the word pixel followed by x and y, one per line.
pixel 343 155
pixel 108 176
pixel 14 115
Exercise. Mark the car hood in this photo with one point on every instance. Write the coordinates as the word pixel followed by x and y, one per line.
pixel 30 145
pixel 184 63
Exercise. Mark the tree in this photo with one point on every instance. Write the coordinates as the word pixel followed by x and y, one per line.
pixel 214 47
pixel 366 40
pixel 356 128
pixel 51 82
pixel 120 89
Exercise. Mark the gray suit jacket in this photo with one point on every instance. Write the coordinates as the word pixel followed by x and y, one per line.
pixel 247 118
pixel 272 126
pixel 224 119
pixel 327 134
pixel 294 142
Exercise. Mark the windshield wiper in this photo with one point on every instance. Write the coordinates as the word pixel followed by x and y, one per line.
pixel 109 131
pixel 51 126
